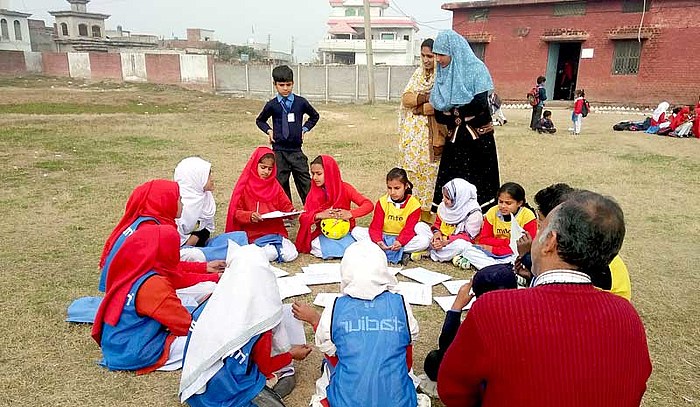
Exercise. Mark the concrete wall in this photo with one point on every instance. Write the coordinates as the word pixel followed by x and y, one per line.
pixel 12 62
pixel 134 67
pixel 34 62
pixel 194 69
pixel 517 54
pixel 163 68
pixel 55 63
pixel 79 65
pixel 105 65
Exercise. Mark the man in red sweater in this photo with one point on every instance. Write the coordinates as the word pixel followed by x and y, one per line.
pixel 562 342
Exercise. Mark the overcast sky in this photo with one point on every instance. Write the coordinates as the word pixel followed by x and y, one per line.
pixel 234 20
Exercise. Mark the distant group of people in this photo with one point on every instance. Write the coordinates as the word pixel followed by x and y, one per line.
pixel 682 122
pixel 176 296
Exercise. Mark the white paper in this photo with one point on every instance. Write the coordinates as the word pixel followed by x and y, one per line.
pixel 326 299
pixel 321 268
pixel 446 302
pixel 453 286
pixel 425 276
pixel 293 326
pixel 319 278
pixel 415 293
pixel 516 232
pixel 395 270
pixel 279 272
pixel 291 287
pixel 278 214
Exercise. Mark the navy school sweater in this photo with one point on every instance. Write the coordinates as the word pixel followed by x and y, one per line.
pixel 273 109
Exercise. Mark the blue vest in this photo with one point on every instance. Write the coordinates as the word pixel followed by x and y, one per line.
pixel 335 248
pixel 371 338
pixel 102 286
pixel 236 384
pixel 273 239
pixel 135 342
pixel 216 248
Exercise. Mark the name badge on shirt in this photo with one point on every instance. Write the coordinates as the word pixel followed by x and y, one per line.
pixel 290 117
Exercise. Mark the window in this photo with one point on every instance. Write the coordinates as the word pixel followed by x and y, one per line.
pixel 626 57
pixel 82 30
pixel 388 36
pixel 479 14
pixel 64 29
pixel 635 6
pixel 479 49
pixel 350 12
pixel 18 31
pixel 570 9
pixel 407 38
pixel 4 31
pixel 96 32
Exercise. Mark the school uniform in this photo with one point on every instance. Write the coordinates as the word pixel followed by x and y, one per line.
pixel 577 115
pixel 496 229
pixel 458 241
pixel 396 221
pixel 334 194
pixel 287 117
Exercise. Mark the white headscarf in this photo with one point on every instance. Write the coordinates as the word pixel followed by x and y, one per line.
pixel 246 303
pixel 192 174
pixel 364 272
pixel 463 196
pixel 662 108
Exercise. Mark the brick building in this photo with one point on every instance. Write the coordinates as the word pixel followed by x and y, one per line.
pixel 619 51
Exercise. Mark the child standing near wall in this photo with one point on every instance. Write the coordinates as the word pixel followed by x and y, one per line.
pixel 580 105
pixel 286 135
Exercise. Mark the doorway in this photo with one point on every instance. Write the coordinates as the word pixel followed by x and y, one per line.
pixel 562 69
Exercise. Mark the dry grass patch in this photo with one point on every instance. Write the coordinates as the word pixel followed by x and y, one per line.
pixel 66 177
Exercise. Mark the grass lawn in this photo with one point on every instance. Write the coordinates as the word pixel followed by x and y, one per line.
pixel 72 152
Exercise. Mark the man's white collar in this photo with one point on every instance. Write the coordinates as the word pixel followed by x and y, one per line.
pixel 562 277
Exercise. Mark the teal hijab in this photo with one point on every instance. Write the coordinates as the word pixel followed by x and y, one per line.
pixel 465 76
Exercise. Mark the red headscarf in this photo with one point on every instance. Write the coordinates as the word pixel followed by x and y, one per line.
pixel 250 184
pixel 331 195
pixel 157 198
pixel 151 247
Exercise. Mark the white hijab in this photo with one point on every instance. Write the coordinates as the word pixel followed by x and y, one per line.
pixel 463 196
pixel 364 272
pixel 662 108
pixel 246 303
pixel 192 174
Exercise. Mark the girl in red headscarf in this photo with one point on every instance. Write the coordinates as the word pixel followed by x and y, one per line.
pixel 256 193
pixel 329 202
pixel 154 202
pixel 141 321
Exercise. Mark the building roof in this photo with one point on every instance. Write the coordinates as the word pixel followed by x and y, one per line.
pixel 341 28
pixel 497 3
pixel 375 21
pixel 339 3
pixel 11 13
pixel 70 13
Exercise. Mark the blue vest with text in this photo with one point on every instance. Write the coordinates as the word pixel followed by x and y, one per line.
pixel 237 383
pixel 117 245
pixel 135 342
pixel 371 338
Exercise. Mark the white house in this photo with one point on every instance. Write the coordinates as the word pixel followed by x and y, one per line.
pixel 79 30
pixel 14 29
pixel 393 37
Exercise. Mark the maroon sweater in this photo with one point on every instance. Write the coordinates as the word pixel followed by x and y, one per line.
pixel 549 346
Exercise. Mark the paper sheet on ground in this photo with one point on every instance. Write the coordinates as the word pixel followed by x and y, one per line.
pixel 279 272
pixel 326 299
pixel 294 327
pixel 395 270
pixel 321 268
pixel 454 285
pixel 291 287
pixel 321 273
pixel 415 293
pixel 446 302
pixel 425 276
pixel 279 214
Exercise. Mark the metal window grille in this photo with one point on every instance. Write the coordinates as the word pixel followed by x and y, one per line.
pixel 570 9
pixel 479 49
pixel 480 14
pixel 626 57
pixel 635 6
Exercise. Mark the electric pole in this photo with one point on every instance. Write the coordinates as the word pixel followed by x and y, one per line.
pixel 370 54
pixel 292 50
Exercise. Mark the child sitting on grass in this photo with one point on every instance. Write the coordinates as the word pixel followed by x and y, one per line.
pixel 257 192
pixel 545 125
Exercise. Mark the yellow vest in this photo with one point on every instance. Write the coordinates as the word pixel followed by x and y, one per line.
pixel 620 279
pixel 501 228
pixel 395 218
pixel 447 230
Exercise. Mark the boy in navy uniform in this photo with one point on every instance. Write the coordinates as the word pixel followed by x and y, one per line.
pixel 287 132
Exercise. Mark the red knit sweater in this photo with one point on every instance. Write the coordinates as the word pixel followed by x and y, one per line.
pixel 549 346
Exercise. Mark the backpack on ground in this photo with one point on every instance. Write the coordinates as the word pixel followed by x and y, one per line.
pixel 586 108
pixel 533 97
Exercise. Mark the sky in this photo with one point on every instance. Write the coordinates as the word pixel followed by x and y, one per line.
pixel 234 21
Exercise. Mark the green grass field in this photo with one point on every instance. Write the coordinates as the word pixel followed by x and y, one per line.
pixel 72 152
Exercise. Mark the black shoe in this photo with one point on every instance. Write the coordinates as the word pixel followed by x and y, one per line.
pixel 505 122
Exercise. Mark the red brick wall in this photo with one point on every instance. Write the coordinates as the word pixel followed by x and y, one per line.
pixel 12 63
pixel 163 68
pixel 516 54
pixel 56 64
pixel 106 65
